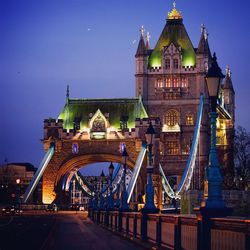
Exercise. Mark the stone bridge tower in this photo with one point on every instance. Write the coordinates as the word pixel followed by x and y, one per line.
pixel 93 130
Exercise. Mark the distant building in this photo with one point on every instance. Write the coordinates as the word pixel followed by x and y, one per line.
pixel 14 179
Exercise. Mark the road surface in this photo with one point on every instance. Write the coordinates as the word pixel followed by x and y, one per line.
pixel 47 231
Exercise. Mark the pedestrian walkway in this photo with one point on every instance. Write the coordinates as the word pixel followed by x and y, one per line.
pixel 76 232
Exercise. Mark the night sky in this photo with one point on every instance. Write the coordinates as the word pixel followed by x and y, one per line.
pixel 90 45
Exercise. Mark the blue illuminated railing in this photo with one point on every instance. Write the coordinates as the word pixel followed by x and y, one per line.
pixel 136 171
pixel 188 173
pixel 36 178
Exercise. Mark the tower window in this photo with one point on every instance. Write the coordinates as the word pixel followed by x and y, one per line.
pixel 76 123
pixel 172 148
pixel 176 82
pixel 176 64
pixel 186 147
pixel 159 83
pixel 171 118
pixel 168 83
pixel 167 63
pixel 75 148
pixel 190 119
pixel 184 83
pixel 124 122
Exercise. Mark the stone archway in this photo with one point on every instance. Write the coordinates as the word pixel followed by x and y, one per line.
pixel 64 160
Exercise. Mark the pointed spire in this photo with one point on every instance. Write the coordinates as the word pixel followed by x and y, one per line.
pixel 174 14
pixel 141 50
pixel 67 94
pixel 142 31
pixel 228 80
pixel 147 41
pixel 203 47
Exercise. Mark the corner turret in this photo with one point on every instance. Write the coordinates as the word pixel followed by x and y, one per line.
pixel 228 93
pixel 141 58
pixel 203 52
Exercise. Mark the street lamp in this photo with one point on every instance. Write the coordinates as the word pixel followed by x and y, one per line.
pixel 18 181
pixel 149 206
pixel 111 196
pixel 214 176
pixel 124 195
pixel 101 194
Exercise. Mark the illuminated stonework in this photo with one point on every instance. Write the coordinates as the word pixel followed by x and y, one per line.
pixel 174 14
pixel 170 78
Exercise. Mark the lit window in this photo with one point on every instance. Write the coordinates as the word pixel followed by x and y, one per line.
pixel 190 119
pixel 176 64
pixel 75 148
pixel 167 63
pixel 172 148
pixel 159 83
pixel 184 83
pixel 171 118
pixel 186 147
pixel 168 83
pixel 175 82
pixel 124 122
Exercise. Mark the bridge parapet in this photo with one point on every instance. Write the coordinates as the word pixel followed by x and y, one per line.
pixel 173 231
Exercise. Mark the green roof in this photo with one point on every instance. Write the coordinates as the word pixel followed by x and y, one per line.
pixel 174 32
pixel 82 109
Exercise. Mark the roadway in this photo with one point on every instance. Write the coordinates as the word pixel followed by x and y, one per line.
pixel 62 230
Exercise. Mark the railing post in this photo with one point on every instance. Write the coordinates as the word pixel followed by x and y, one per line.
pixel 247 246
pixel 106 223
pixel 177 233
pixel 199 233
pixel 119 221
pixel 144 227
pixel 158 231
pixel 135 226
pixel 127 224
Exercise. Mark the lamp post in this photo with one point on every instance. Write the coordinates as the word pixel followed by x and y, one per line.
pixel 124 195
pixel 101 195
pixel 149 206
pixel 95 202
pixel 214 177
pixel 117 201
pixel 111 195
pixel 18 181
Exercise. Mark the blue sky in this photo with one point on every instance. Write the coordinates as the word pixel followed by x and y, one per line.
pixel 89 45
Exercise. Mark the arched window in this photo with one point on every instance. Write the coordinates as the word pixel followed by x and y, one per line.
pixel 190 119
pixel 176 64
pixel 172 118
pixel 168 83
pixel 167 63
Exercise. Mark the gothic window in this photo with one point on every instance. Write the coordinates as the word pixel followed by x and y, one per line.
pixel 186 147
pixel 75 148
pixel 124 122
pixel 168 83
pixel 190 119
pixel 175 82
pixel 172 147
pixel 76 122
pixel 184 83
pixel 158 83
pixel 167 63
pixel 176 64
pixel 172 118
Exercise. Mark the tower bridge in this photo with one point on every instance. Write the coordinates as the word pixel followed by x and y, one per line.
pixel 170 79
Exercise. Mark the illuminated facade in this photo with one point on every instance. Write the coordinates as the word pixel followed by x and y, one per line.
pixel 169 81
pixel 170 78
